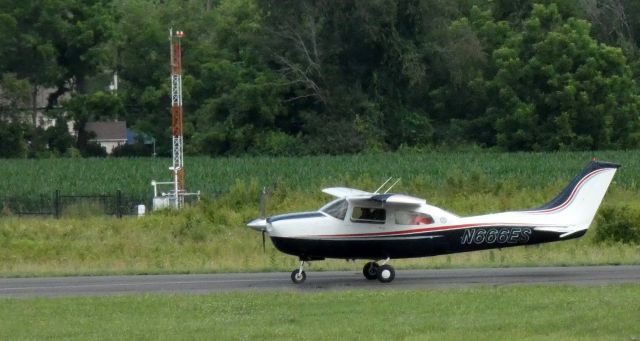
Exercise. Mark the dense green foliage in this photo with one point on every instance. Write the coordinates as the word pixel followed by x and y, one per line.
pixel 326 77
pixel 505 313
pixel 619 223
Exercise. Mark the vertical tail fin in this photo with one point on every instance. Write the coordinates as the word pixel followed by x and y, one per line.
pixel 578 202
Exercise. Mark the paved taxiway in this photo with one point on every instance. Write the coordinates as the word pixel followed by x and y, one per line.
pixel 316 281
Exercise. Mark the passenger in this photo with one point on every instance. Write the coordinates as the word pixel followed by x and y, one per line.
pixel 422 220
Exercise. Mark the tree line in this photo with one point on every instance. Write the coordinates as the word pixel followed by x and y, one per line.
pixel 292 77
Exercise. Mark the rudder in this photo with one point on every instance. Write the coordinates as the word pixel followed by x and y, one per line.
pixel 578 202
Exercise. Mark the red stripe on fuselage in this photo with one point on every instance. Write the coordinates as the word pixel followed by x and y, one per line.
pixel 426 229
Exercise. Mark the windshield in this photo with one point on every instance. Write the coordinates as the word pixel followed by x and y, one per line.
pixel 337 209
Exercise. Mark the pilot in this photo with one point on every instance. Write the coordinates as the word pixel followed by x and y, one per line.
pixel 366 214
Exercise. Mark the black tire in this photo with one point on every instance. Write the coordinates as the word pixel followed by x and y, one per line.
pixel 386 273
pixel 298 276
pixel 370 270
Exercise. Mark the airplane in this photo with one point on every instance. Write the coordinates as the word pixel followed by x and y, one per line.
pixel 379 227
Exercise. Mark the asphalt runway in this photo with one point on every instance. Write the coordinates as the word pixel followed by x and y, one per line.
pixel 316 281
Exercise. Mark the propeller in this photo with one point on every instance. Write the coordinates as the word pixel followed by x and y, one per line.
pixel 263 215
pixel 260 224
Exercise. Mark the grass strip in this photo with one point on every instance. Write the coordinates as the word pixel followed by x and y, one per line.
pixel 487 313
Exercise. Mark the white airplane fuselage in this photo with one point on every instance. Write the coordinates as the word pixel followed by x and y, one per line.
pixel 362 225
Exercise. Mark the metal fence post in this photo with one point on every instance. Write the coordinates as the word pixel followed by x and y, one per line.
pixel 119 203
pixel 56 204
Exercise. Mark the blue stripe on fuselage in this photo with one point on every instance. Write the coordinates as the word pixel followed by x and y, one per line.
pixel 295 216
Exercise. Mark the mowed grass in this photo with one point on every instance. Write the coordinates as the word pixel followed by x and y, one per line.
pixel 500 313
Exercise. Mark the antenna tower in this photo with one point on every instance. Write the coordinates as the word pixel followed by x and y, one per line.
pixel 176 117
pixel 175 198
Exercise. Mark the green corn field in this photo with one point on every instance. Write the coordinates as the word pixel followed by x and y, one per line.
pixel 421 172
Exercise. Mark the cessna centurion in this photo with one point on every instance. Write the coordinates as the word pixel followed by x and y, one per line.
pixel 380 226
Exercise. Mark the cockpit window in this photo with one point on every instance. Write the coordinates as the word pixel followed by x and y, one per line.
pixel 412 218
pixel 369 215
pixel 337 210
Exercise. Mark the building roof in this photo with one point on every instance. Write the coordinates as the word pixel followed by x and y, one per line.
pixel 108 130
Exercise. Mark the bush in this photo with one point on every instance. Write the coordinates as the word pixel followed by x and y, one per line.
pixel 12 144
pixel 276 143
pixel 618 224
pixel 93 149
pixel 132 150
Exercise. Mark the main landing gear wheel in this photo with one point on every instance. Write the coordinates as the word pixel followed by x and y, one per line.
pixel 370 270
pixel 386 273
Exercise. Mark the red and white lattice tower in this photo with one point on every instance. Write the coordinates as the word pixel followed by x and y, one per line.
pixel 176 197
pixel 176 117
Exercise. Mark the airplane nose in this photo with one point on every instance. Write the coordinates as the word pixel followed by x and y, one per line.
pixel 259 224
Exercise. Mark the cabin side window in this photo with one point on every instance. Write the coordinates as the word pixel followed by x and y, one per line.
pixel 412 218
pixel 337 210
pixel 369 215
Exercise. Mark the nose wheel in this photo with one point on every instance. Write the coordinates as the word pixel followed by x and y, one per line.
pixel 385 273
pixel 298 275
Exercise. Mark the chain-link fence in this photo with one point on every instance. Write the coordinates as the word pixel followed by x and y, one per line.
pixel 59 205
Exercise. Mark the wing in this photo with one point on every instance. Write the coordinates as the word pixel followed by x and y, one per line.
pixel 344 192
pixel 398 199
pixel 394 199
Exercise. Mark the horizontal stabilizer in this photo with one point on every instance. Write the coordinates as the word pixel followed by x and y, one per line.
pixel 564 230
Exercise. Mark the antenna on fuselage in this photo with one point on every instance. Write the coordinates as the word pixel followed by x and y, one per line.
pixel 379 188
pixel 390 187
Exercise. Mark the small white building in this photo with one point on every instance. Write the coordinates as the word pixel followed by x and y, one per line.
pixel 108 134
